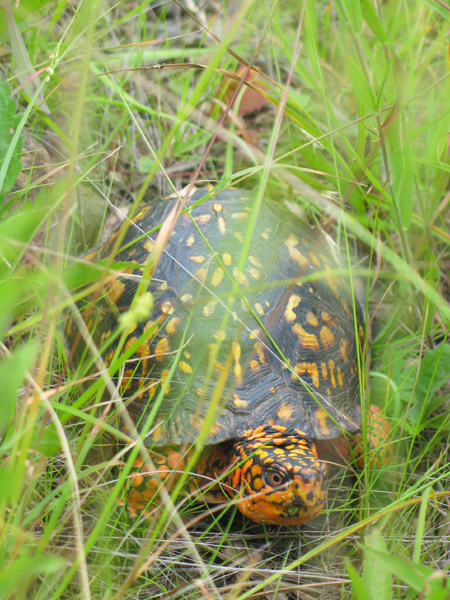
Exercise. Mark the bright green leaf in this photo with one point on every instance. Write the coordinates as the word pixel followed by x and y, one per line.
pixel 48 442
pixel 372 20
pixel 12 374
pixel 8 124
pixel 434 372
pixel 15 577
pixel 353 10
pixel 412 574
pixel 438 8
pixel 401 166
pixel 361 591
pixel 361 86
pixel 23 67
pixel 25 9
pixel 375 576
pixel 17 231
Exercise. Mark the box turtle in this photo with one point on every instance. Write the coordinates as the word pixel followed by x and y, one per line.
pixel 254 343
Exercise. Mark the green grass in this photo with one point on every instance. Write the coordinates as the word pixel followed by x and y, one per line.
pixel 362 148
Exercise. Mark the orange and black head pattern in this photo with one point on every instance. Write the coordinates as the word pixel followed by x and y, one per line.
pixel 279 478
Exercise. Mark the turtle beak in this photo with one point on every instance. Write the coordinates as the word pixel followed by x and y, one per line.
pixel 310 491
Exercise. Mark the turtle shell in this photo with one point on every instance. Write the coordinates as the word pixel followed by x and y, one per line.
pixel 253 323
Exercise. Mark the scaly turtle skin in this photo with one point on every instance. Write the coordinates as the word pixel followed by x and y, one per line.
pixel 265 346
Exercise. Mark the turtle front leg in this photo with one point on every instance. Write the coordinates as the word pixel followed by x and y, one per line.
pixel 351 449
pixel 378 445
pixel 146 478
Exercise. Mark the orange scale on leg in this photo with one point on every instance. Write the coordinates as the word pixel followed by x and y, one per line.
pixel 147 468
pixel 163 471
pixel 138 463
pixel 137 480
pixel 175 460
pixel 159 460
pixel 149 494
pixel 151 484
pixel 135 496
pixel 131 511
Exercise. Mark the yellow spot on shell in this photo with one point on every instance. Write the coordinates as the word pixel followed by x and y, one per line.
pixel 324 370
pixel 255 333
pixel 311 319
pixel 220 335
pixel 202 219
pixel 314 259
pixel 167 307
pixel 331 368
pixel 164 376
pixel 329 319
pixel 238 402
pixel 244 307
pixel 259 309
pixel 217 208
pixel 321 419
pixel 130 342
pixel 149 245
pixel 171 326
pixel 254 273
pixel 132 252
pixel 291 241
pixel 217 277
pixel 190 240
pixel 296 255
pixel 239 216
pixel 285 412
pixel 332 282
pixel 150 325
pixel 310 368
pixel 201 274
pixel 143 351
pixel 226 257
pixel 345 346
pixel 265 235
pixel 186 298
pixel 259 348
pixel 185 367
pixel 239 236
pixel 307 340
pixel 209 308
pixel 326 337
pixel 141 214
pixel 340 376
pixel 197 259
pixel 254 366
pixel 236 350
pixel 161 348
pixel 254 261
pixel 222 226
pixel 240 277
pixel 163 286
pixel 293 302
pixel 116 289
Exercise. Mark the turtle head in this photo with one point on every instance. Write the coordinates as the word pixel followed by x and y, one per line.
pixel 279 478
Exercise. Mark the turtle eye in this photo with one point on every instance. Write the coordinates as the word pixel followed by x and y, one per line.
pixel 276 478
